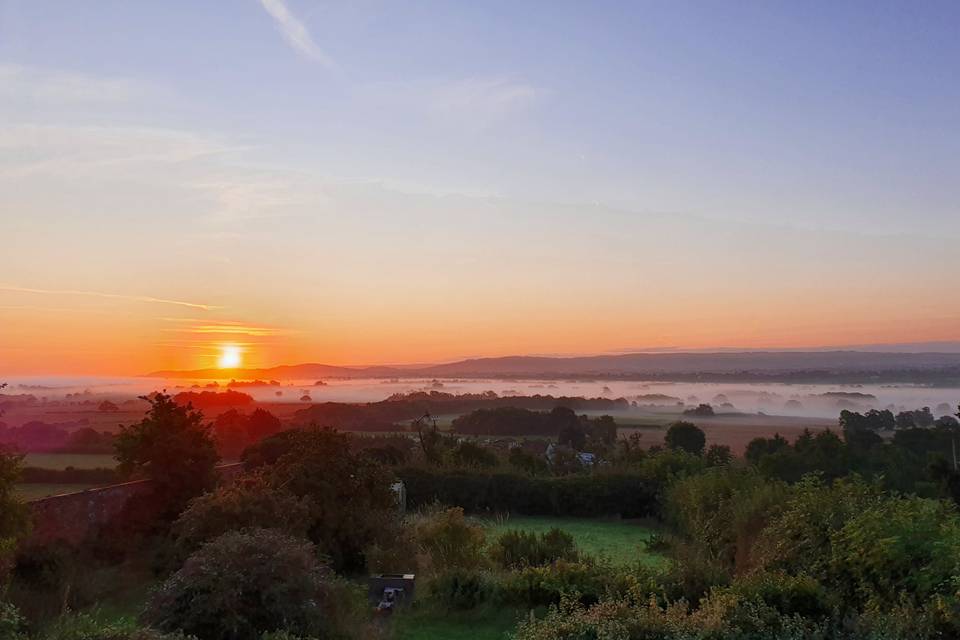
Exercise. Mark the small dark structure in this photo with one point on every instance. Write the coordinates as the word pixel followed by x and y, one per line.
pixel 389 590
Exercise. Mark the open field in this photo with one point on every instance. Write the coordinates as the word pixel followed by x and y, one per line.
pixel 622 542
pixel 35 491
pixel 75 460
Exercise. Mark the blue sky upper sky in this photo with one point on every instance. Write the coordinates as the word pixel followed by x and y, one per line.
pixel 784 146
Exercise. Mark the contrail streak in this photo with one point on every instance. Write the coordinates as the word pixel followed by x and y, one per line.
pixel 115 296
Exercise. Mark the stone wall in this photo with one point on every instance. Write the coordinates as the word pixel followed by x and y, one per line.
pixel 72 517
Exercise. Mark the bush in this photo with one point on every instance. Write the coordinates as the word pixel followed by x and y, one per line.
pixel 461 589
pixel 241 585
pixel 517 549
pixel 450 540
pixel 11 622
pixel 801 595
pixel 547 585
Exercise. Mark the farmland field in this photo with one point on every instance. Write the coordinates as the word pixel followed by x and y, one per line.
pixel 75 460
pixel 622 542
pixel 35 491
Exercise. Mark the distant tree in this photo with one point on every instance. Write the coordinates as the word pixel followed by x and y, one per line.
pixel 718 455
pixel 923 417
pixel 174 448
pixel 702 410
pixel 107 407
pixel 526 461
pixel 604 430
pixel 904 420
pixel 686 436
pixel 261 424
pixel 759 447
pixel 230 432
pixel 947 422
pixel 468 454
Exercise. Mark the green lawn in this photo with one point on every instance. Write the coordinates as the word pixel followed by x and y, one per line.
pixel 37 490
pixel 483 625
pixel 75 460
pixel 623 542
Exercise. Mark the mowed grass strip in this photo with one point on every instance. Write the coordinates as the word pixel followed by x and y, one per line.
pixel 623 542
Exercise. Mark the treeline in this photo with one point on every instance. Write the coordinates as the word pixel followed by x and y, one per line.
pixel 514 421
pixel 61 437
pixel 911 459
pixel 386 414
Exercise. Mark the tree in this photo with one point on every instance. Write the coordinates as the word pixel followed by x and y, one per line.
pixel 261 424
pixel 686 436
pixel 173 447
pixel 702 410
pixel 759 447
pixel 718 455
pixel 14 515
pixel 352 505
pixel 468 454
pixel 108 407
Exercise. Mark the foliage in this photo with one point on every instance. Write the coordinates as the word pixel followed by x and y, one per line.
pixel 461 589
pixel 468 454
pixel 241 585
pixel 81 626
pixel 350 500
pixel 14 515
pixel 450 540
pixel 515 548
pixel 685 436
pixel 723 509
pixel 535 586
pixel 248 503
pixel 173 447
pixel 12 624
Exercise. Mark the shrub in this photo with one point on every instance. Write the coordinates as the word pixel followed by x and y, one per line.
pixel 546 585
pixel 450 540
pixel 468 454
pixel 11 622
pixel 241 585
pixel 461 589
pixel 516 549
pixel 801 595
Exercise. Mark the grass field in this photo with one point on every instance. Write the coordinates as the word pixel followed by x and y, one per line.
pixel 35 491
pixel 622 542
pixel 429 625
pixel 75 460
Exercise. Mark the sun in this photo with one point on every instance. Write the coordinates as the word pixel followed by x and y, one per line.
pixel 230 357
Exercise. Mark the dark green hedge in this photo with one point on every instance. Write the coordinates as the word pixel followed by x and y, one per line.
pixel 601 494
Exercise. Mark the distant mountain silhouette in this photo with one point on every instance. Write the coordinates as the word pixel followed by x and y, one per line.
pixel 838 366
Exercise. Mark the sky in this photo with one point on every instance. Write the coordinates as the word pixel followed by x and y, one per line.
pixel 377 182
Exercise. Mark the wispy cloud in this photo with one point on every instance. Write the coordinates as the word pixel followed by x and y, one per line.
pixel 228 328
pixel 113 296
pixel 295 32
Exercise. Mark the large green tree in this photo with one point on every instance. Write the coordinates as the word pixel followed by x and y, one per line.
pixel 173 447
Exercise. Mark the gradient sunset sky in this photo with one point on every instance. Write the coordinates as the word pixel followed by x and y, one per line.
pixel 380 182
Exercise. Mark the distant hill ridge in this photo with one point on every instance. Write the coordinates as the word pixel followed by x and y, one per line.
pixel 745 365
